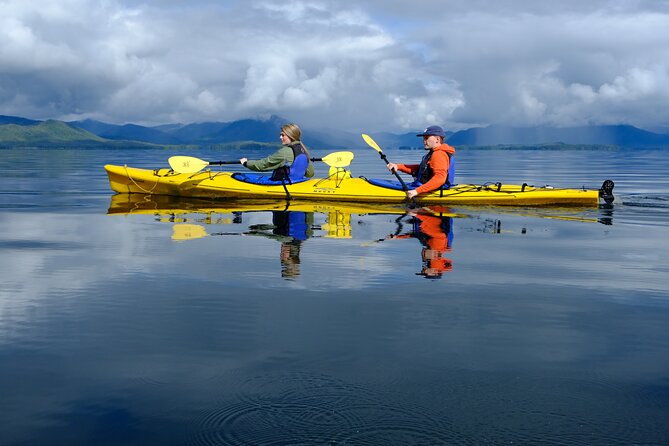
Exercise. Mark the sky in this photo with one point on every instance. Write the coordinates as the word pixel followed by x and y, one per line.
pixel 379 65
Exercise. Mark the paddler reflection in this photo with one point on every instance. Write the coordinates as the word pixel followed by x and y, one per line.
pixel 433 227
pixel 291 228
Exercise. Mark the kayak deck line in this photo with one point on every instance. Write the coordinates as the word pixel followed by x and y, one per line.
pixel 223 185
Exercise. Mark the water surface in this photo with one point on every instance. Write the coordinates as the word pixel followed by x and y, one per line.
pixel 126 320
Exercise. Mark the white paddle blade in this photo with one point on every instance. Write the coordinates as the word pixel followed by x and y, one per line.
pixel 371 143
pixel 338 159
pixel 187 164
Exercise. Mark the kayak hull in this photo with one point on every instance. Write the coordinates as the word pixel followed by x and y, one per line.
pixel 221 185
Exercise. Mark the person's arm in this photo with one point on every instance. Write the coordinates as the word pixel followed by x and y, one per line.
pixel 439 163
pixel 310 170
pixel 408 168
pixel 274 161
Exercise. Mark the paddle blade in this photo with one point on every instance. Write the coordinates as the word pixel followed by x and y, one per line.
pixel 181 232
pixel 187 164
pixel 371 143
pixel 338 159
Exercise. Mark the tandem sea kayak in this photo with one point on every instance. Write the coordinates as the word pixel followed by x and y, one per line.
pixel 341 187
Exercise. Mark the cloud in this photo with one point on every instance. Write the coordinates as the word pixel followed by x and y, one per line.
pixel 557 68
pixel 377 66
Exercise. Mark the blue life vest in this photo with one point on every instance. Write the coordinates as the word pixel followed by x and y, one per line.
pixel 423 175
pixel 293 173
pixel 297 168
pixel 291 223
pixel 424 172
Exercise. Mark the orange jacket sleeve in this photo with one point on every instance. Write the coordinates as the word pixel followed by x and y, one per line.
pixel 408 168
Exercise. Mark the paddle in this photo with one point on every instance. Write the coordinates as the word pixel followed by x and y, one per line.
pixel 187 231
pixel 337 159
pixel 371 143
pixel 190 164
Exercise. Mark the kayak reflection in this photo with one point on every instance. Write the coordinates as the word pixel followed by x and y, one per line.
pixel 292 222
pixel 289 228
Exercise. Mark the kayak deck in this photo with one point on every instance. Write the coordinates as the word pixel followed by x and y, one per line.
pixel 222 185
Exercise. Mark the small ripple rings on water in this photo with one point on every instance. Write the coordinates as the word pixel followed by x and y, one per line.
pixel 298 408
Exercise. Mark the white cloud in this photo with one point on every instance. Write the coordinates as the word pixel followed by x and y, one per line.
pixel 378 65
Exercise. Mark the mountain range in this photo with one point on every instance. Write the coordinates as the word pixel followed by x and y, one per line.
pixel 21 132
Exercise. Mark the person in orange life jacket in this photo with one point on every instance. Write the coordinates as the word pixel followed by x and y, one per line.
pixel 290 136
pixel 432 172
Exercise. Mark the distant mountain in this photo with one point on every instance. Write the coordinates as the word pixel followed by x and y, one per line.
pixel 200 131
pixel 404 140
pixel 95 127
pixel 258 130
pixel 251 129
pixel 343 140
pixel 17 131
pixel 615 135
pixel 52 133
pixel 47 131
pixel 132 132
pixel 126 132
pixel 16 120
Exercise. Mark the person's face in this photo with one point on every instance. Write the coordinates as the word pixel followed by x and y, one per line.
pixel 284 138
pixel 430 142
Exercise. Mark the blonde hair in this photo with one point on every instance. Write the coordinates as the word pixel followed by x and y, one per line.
pixel 292 131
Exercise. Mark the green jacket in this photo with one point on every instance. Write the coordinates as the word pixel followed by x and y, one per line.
pixel 277 159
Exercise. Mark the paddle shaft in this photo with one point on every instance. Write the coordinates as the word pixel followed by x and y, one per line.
pixel 218 163
pixel 394 171
pixel 370 142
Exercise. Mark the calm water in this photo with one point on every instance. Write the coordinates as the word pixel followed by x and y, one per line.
pixel 135 322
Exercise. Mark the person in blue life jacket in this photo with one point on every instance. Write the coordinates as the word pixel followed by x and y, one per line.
pixel 437 168
pixel 280 161
pixel 291 228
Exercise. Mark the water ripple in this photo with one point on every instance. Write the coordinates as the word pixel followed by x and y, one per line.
pixel 300 408
pixel 647 201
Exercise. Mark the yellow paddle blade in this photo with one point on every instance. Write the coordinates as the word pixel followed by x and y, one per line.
pixel 371 143
pixel 338 225
pixel 338 159
pixel 187 164
pixel 181 232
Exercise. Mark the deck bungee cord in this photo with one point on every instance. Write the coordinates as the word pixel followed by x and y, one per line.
pixel 148 191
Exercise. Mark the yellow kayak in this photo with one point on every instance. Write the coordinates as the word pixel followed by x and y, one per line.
pixel 339 188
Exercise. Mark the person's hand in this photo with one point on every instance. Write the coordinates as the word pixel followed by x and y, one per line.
pixel 430 254
pixel 242 160
pixel 411 193
pixel 391 166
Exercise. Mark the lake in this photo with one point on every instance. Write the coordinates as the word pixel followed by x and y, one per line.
pixel 131 320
